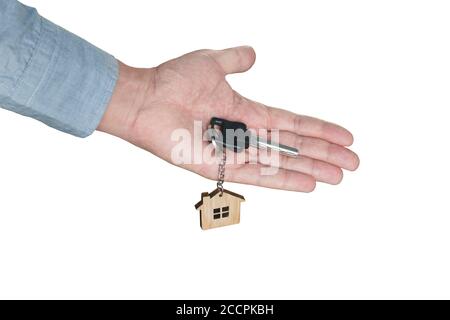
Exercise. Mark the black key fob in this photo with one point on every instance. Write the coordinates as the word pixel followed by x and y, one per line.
pixel 233 135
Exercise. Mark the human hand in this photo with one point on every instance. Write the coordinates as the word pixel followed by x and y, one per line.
pixel 149 104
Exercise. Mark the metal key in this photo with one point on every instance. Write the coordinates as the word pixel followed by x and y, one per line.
pixel 241 138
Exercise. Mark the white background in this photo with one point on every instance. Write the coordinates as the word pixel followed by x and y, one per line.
pixel 99 218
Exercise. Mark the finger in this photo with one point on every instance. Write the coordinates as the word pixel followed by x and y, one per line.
pixel 260 116
pixel 233 60
pixel 319 149
pixel 309 126
pixel 257 174
pixel 321 171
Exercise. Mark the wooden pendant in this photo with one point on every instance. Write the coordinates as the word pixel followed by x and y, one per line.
pixel 219 210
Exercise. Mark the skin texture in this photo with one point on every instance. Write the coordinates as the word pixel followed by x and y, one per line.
pixel 149 104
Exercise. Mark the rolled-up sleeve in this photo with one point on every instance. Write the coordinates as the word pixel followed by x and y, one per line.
pixel 50 74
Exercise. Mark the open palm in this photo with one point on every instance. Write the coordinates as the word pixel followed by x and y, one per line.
pixel 193 88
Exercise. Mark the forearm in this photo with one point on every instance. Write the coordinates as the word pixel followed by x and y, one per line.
pixel 50 74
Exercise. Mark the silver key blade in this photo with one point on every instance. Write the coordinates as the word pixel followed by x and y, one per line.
pixel 259 143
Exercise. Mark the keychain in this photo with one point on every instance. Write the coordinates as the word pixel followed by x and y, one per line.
pixel 222 207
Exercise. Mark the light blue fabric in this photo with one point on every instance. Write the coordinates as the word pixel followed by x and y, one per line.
pixel 50 74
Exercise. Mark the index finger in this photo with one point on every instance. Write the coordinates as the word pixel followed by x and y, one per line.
pixel 259 116
pixel 309 126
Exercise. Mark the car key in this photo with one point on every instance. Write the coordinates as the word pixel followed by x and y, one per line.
pixel 242 138
pixel 218 132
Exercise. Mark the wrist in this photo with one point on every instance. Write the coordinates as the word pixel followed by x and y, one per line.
pixel 132 89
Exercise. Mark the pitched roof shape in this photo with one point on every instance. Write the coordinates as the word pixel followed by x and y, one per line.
pixel 212 194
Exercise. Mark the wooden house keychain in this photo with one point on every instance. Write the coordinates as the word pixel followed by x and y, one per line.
pixel 222 207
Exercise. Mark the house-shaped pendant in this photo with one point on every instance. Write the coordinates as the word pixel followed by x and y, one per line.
pixel 219 210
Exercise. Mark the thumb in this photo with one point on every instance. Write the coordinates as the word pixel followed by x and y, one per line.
pixel 234 60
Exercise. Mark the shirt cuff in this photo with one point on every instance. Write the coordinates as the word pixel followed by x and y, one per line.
pixel 67 83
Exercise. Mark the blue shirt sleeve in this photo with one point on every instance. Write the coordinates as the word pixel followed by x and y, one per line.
pixel 50 74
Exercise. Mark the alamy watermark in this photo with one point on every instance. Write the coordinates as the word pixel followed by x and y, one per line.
pixel 196 147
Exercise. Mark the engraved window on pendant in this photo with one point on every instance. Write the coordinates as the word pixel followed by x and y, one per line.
pixel 223 212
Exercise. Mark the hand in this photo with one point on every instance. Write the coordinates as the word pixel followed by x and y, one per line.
pixel 149 104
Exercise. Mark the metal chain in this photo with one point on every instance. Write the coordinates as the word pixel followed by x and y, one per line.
pixel 221 171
